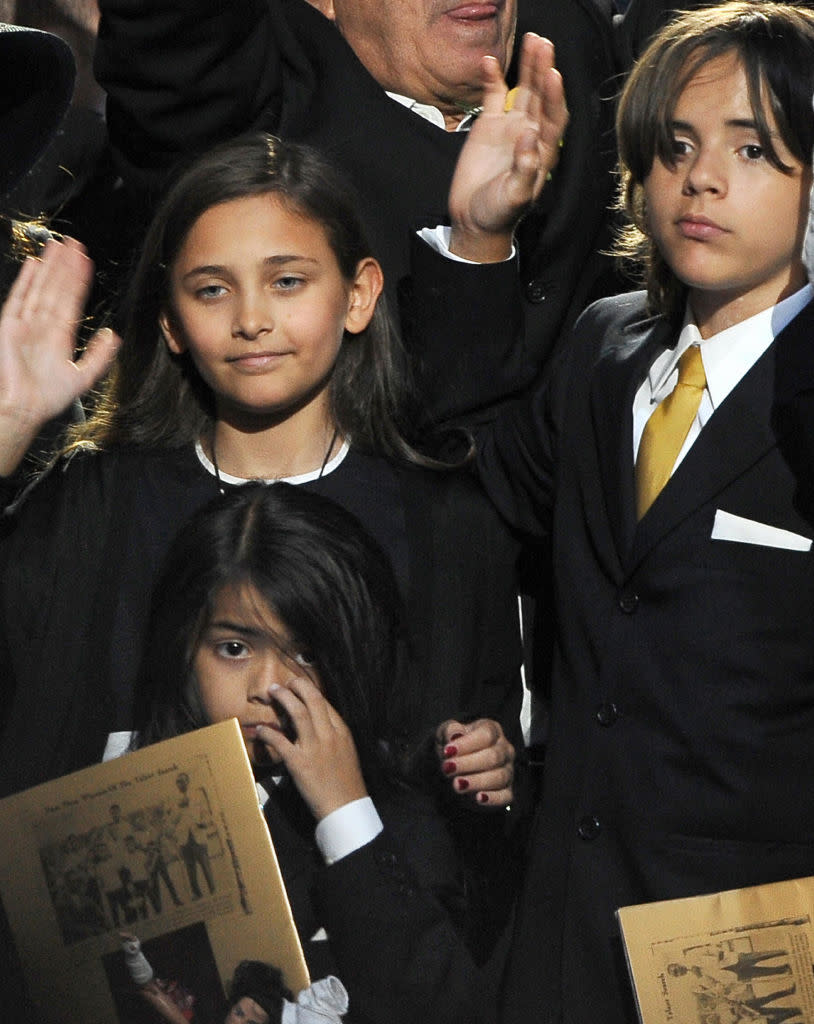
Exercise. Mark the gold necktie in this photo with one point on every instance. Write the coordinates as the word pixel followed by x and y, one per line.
pixel 667 428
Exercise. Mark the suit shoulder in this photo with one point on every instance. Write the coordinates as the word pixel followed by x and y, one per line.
pixel 615 312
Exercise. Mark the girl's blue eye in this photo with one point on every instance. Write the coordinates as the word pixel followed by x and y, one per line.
pixel 210 291
pixel 288 283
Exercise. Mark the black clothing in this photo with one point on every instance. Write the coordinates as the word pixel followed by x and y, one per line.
pixel 78 560
pixel 682 695
pixel 395 912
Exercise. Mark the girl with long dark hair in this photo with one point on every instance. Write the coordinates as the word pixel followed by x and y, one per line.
pixel 276 608
pixel 256 347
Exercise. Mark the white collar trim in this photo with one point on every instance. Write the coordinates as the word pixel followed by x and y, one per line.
pixel 301 478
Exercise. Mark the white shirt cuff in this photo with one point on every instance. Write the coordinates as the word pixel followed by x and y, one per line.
pixel 348 828
pixel 118 743
pixel 438 238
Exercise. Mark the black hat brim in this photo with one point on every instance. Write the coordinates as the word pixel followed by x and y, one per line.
pixel 37 74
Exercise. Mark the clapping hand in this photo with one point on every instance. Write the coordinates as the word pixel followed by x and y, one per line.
pixel 508 155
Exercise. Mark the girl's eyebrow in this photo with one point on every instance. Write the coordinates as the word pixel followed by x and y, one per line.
pixel 270 261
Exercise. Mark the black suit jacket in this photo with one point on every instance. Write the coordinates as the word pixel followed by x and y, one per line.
pixel 395 912
pixel 185 74
pixel 682 715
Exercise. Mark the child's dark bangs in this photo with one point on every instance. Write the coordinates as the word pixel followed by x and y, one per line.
pixel 776 51
pixel 761 94
pixel 680 66
pixel 788 89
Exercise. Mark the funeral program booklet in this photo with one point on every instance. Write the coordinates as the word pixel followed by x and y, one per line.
pixel 166 844
pixel 738 957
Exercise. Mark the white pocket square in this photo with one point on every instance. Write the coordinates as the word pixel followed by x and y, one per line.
pixel 747 531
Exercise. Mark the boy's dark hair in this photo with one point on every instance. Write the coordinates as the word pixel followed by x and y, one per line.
pixel 156 398
pixel 774 43
pixel 319 571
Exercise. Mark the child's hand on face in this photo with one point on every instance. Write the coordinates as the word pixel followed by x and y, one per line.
pixel 322 759
pixel 478 760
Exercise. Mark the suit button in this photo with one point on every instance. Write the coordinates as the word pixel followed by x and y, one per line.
pixel 607 713
pixel 535 291
pixel 589 827
pixel 628 601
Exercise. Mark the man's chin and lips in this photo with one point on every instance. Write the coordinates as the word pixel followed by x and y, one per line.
pixel 487 27
pixel 473 13
pixel 468 32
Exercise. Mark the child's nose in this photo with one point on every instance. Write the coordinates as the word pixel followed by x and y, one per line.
pixel 705 173
pixel 268 674
pixel 252 317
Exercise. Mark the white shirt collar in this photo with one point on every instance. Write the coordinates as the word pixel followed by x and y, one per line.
pixel 731 353
pixel 264 792
pixel 430 113
pixel 302 478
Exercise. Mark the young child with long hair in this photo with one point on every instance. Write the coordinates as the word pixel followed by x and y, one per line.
pixel 256 346
pixel 669 465
pixel 276 608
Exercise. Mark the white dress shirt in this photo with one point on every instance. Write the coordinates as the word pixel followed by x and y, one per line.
pixel 727 357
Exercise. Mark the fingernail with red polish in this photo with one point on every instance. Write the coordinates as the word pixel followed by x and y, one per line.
pixel 483 798
pixel 448 767
pixel 450 751
pixel 462 784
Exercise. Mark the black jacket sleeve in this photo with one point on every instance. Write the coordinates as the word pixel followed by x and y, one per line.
pixel 464 328
pixel 395 914
pixel 183 75
pixel 52 551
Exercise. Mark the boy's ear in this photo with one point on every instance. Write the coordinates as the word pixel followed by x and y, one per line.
pixel 172 335
pixel 364 294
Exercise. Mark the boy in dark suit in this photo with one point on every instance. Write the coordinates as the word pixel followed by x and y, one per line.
pixel 664 466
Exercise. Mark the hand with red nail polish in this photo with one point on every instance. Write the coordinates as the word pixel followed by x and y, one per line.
pixel 483 767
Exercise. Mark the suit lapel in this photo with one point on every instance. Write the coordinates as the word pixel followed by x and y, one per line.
pixel 620 371
pixel 739 433
pixel 793 412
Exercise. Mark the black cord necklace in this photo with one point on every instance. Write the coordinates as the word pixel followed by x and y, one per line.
pixel 325 460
